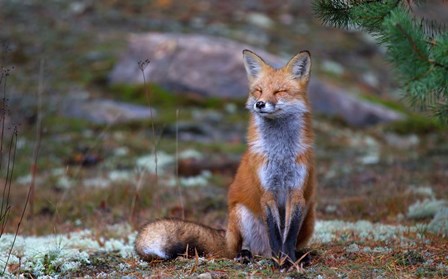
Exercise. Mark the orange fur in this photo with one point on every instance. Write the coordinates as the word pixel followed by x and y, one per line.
pixel 247 195
pixel 270 86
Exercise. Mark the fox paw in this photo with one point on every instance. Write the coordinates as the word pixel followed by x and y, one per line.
pixel 244 256
pixel 304 256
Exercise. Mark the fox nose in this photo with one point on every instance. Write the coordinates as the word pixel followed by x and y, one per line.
pixel 260 104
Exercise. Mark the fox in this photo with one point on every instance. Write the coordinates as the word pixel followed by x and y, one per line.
pixel 271 201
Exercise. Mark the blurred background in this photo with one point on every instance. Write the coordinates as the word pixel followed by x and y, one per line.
pixel 135 111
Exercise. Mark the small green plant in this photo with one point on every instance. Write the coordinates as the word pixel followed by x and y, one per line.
pixel 49 267
pixel 409 258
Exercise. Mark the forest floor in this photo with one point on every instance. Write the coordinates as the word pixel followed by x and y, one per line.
pixel 382 194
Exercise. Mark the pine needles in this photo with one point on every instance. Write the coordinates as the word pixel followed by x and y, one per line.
pixel 417 47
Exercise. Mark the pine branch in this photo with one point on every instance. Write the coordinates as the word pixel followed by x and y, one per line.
pixel 432 28
pixel 439 49
pixel 419 53
pixel 363 14
pixel 441 112
pixel 334 13
pixel 370 16
pixel 416 46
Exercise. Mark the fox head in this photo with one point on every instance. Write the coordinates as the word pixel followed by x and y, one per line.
pixel 277 93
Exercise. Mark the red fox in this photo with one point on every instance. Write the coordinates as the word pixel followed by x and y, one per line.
pixel 271 202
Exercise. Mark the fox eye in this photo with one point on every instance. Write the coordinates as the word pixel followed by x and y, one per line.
pixel 257 92
pixel 280 91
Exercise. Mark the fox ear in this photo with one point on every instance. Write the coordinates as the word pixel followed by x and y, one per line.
pixel 300 65
pixel 253 63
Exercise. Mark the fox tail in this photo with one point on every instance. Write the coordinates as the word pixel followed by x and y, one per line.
pixel 167 239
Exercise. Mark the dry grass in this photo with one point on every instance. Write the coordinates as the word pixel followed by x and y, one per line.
pixel 328 260
pixel 379 193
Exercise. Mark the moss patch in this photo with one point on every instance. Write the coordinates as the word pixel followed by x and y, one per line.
pixel 416 124
pixel 385 102
pixel 158 96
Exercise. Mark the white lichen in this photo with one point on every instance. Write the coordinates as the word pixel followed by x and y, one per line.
pixel 148 162
pixel 64 182
pixel 96 182
pixel 121 175
pixel 191 181
pixel 377 250
pixel 121 151
pixel 57 255
pixel 190 154
pixel 423 191
pixel 439 223
pixel 352 248
pixel 426 208
pixel 328 231
pixel 53 254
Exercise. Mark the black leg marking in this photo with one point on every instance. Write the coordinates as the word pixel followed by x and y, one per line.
pixel 244 256
pixel 282 214
pixel 289 247
pixel 275 238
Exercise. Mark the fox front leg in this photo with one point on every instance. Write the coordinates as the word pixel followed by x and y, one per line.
pixel 284 223
pixel 294 215
pixel 273 223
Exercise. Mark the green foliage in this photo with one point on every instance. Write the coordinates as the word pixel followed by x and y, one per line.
pixel 160 97
pixel 409 258
pixel 418 48
pixel 386 103
pixel 48 263
pixel 416 124
pixel 413 124
pixel 136 94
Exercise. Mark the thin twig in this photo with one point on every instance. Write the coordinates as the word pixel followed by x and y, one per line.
pixel 179 189
pixel 8 180
pixel 4 109
pixel 142 65
pixel 136 196
pixel 23 212
pixel 34 163
pixel 38 141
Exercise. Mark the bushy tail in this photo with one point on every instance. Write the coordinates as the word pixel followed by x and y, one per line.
pixel 167 239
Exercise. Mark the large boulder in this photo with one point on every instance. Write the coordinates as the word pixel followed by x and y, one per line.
pixel 213 67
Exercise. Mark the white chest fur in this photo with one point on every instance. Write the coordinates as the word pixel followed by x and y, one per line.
pixel 280 143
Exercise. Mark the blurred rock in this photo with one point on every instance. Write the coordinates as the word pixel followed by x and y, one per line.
pixel 105 111
pixel 213 66
pixel 334 101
